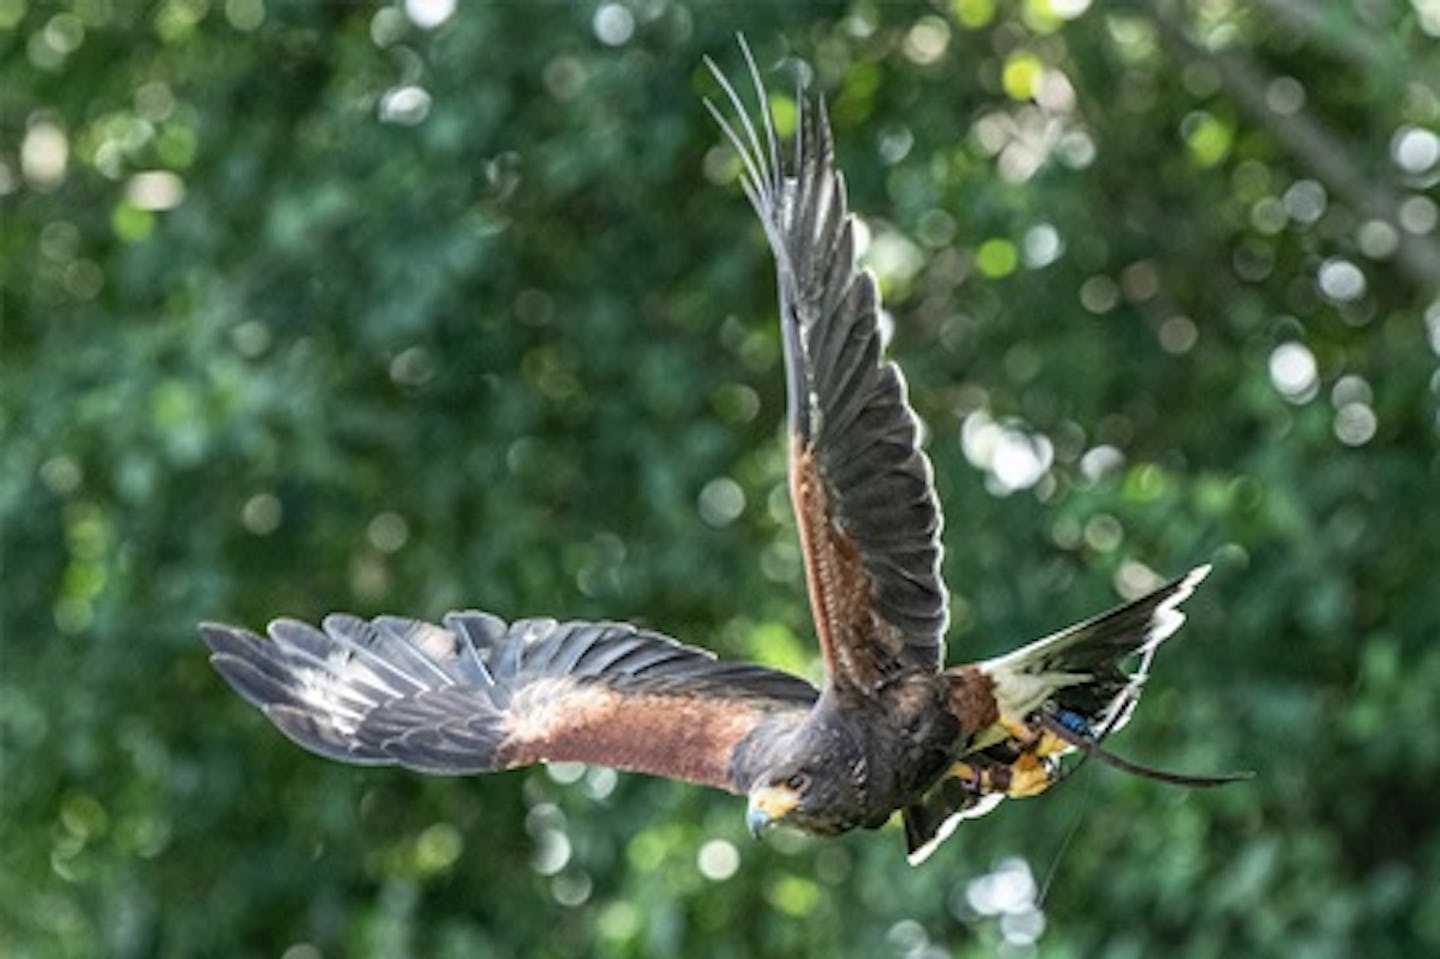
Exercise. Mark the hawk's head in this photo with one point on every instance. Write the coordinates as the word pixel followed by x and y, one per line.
pixel 817 784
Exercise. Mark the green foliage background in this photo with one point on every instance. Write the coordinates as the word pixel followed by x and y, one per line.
pixel 517 349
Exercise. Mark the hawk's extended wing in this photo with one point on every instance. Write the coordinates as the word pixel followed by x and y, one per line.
pixel 477 695
pixel 864 500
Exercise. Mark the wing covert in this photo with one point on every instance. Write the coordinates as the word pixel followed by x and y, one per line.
pixel 862 488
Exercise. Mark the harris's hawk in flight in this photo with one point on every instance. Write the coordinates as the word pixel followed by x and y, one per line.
pixel 890 729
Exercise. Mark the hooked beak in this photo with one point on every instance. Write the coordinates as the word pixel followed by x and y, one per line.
pixel 768 805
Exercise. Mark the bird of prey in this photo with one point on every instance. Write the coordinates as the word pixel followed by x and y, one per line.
pixel 890 728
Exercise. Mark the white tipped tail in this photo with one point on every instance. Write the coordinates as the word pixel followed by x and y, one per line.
pixel 1080 671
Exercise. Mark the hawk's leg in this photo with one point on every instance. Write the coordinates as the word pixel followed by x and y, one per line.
pixel 1026 774
pixel 1025 762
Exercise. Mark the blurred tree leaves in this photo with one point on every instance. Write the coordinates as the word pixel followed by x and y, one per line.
pixel 316 306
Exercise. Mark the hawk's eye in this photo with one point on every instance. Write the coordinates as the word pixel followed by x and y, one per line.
pixel 797 782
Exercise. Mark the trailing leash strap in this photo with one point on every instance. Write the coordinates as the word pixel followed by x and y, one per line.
pixel 1091 747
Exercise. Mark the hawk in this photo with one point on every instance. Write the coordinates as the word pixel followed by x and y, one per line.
pixel 890 728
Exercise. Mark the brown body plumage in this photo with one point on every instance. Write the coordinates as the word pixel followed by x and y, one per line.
pixel 890 730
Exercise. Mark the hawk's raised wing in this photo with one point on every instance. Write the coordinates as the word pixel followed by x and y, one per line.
pixel 477 695
pixel 864 500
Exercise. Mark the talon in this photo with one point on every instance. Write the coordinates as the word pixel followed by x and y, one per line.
pixel 1030 776
pixel 1018 729
pixel 970 777
pixel 1050 744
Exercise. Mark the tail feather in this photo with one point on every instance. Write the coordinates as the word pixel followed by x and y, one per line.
pixel 932 818
pixel 1080 671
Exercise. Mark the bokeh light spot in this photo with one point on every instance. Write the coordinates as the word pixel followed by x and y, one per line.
pixel 794 895
pixel 429 14
pixel 1021 75
pixel 1285 96
pixel 973 14
pixel 1305 201
pixel 1014 457
pixel 1178 334
pixel 155 190
pixel 721 501
pixel 565 773
pixel 1377 239
pixel 1042 245
pixel 1268 215
pixel 551 853
pixel 302 950
pixel 1414 149
pixel 438 848
pixel 1068 9
pixel 413 367
pixel 1008 889
pixel 894 257
pixel 131 223
pixel 1351 389
pixel 245 15
pixel 1208 138
pixel 1340 280
pixel 614 24
pixel 620 921
pixel 64 33
pixel 61 475
pixel 718 860
pixel 1100 461
pixel 387 27
pixel 600 782
pixel 997 258
pixel 262 514
pixel 44 154
pixel 572 888
pixel 388 532
pixel 1099 294
pixel 1355 424
pixel 1293 372
pixel 1418 215
pixel 405 106
pixel 1103 533
pixel 926 42
pixel 1134 580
